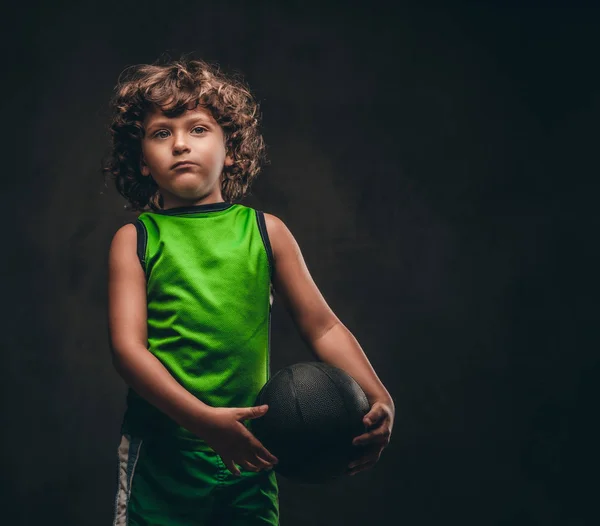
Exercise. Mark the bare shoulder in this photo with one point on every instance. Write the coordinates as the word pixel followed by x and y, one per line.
pixel 279 234
pixel 125 234
pixel 274 224
pixel 123 248
pixel 282 241
pixel 124 239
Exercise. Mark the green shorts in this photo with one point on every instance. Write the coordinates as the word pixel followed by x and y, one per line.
pixel 161 485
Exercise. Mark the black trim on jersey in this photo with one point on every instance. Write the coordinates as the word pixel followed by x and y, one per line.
pixel 210 207
pixel 269 345
pixel 142 241
pixel 262 227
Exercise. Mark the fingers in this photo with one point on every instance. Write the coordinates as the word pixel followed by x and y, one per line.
pixel 381 435
pixel 264 454
pixel 257 459
pixel 247 451
pixel 257 465
pixel 361 467
pixel 230 465
pixel 365 462
pixel 233 466
pixel 250 466
pixel 261 451
pixel 374 417
pixel 377 413
pixel 265 459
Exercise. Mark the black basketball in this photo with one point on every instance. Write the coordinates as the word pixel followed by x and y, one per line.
pixel 315 411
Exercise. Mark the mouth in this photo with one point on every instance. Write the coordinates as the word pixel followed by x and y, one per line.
pixel 183 164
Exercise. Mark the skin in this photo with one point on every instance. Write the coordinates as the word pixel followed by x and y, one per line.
pixel 194 136
pixel 197 137
pixel 330 341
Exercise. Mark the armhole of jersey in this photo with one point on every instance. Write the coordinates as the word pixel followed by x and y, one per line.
pixel 262 227
pixel 142 241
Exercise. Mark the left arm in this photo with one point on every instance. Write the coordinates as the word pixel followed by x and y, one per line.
pixel 326 335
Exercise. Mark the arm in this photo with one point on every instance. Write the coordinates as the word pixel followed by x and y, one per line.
pixel 128 337
pixel 330 340
pixel 220 427
pixel 327 336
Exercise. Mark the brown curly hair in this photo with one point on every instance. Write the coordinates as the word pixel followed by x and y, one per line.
pixel 173 87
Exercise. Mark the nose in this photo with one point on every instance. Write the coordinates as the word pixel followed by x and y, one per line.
pixel 180 144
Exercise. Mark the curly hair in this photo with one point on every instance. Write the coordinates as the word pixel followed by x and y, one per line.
pixel 173 87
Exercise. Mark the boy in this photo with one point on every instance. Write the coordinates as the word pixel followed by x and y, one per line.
pixel 190 295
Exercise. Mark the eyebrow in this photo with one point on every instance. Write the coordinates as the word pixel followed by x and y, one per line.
pixel 162 122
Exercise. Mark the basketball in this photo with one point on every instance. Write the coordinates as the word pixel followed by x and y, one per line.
pixel 315 411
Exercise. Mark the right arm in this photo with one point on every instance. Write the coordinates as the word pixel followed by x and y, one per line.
pixel 127 324
pixel 220 427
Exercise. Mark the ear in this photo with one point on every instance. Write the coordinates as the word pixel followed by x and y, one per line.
pixel 228 160
pixel 145 171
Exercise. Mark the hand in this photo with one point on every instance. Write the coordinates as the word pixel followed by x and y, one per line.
pixel 379 421
pixel 233 442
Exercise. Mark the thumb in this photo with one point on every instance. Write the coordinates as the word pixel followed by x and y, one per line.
pixel 373 416
pixel 255 412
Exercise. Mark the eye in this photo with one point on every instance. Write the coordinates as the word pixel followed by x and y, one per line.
pixel 199 128
pixel 158 134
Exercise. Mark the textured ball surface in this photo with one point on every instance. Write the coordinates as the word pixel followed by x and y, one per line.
pixel 315 411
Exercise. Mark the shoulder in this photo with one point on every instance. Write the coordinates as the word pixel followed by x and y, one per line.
pixel 275 227
pixel 124 235
pixel 273 223
pixel 124 243
pixel 282 240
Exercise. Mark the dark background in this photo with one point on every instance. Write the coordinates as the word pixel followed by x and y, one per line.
pixel 438 168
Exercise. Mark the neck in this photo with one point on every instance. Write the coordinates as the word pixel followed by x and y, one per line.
pixel 172 201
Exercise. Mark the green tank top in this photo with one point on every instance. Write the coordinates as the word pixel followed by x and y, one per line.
pixel 208 278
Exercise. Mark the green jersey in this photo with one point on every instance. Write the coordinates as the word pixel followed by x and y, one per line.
pixel 208 279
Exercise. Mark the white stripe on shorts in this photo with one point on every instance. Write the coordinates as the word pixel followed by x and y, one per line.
pixel 129 452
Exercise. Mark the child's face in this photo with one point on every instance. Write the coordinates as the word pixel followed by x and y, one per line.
pixel 194 136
